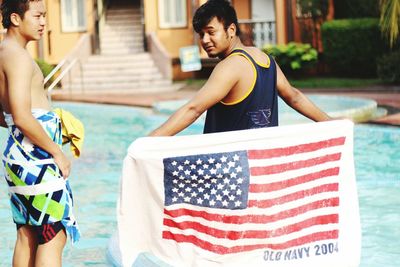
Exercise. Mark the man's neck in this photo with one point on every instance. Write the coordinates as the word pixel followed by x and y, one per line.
pixel 236 43
pixel 15 36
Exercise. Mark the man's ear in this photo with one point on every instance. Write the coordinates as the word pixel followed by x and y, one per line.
pixel 232 30
pixel 15 19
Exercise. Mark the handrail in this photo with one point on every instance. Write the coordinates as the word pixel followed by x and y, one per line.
pixel 258 32
pixel 160 55
pixel 61 76
pixel 51 74
pixel 247 21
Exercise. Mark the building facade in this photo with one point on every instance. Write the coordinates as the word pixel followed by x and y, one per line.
pixel 167 21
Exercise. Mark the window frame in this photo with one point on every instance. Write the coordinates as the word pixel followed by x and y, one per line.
pixel 173 23
pixel 74 27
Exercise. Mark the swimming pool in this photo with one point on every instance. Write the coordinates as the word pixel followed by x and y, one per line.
pixel 110 130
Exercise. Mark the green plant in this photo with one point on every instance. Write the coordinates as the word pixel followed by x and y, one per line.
pixel 390 20
pixel 45 67
pixel 388 67
pixel 351 9
pixel 351 46
pixel 319 82
pixel 292 57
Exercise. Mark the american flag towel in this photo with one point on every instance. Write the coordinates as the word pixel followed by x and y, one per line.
pixel 282 196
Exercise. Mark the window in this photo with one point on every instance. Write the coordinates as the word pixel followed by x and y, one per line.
pixel 73 15
pixel 172 13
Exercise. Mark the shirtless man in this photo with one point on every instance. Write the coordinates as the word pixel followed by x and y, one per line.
pixel 242 90
pixel 35 166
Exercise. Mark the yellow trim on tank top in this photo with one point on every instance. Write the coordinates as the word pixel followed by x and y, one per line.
pixel 251 87
pixel 266 65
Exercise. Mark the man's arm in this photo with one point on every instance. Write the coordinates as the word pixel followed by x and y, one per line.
pixel 222 80
pixel 297 100
pixel 19 70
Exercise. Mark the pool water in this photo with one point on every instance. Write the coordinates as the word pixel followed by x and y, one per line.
pixel 95 182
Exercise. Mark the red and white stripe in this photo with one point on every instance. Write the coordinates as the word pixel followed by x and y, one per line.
pixel 293 200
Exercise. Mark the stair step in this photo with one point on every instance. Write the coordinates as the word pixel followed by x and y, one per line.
pixel 109 71
pixel 121 20
pixel 121 85
pixel 118 59
pixel 124 16
pixel 123 65
pixel 129 26
pixel 123 38
pixel 123 52
pixel 121 32
pixel 120 49
pixel 127 90
pixel 122 11
pixel 113 34
pixel 140 57
pixel 125 78
pixel 121 44
pixel 126 25
pixel 119 66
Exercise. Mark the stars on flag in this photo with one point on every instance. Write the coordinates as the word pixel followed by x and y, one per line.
pixel 208 180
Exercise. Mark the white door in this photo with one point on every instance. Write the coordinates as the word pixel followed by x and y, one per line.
pixel 263 13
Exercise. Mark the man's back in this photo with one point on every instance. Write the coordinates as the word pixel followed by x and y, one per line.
pixel 13 58
pixel 252 101
pixel 245 71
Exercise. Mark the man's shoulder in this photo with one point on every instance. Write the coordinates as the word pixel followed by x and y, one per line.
pixel 232 61
pixel 11 54
pixel 12 47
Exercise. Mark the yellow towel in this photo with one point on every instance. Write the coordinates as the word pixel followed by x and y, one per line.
pixel 72 131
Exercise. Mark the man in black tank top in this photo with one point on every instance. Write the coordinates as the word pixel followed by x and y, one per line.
pixel 242 90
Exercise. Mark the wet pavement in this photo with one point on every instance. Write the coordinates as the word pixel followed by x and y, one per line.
pixel 386 97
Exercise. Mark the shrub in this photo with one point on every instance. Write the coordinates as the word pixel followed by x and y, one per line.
pixel 388 67
pixel 45 67
pixel 293 57
pixel 351 46
pixel 345 9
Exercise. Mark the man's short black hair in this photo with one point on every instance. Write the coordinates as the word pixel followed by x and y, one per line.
pixel 221 9
pixel 13 6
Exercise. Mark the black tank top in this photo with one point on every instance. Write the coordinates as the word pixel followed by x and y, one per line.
pixel 257 109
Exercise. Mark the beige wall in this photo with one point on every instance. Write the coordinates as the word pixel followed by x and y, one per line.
pixel 172 39
pixel 281 19
pixel 58 44
pixel 243 8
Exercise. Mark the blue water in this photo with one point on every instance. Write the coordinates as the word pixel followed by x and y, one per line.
pixel 110 130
